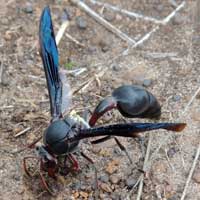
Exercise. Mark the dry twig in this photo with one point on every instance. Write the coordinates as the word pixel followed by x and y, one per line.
pixel 160 55
pixel 61 31
pixel 88 82
pixel 191 173
pixel 126 12
pixel 22 132
pixel 144 167
pixel 1 71
pixel 142 40
pixel 172 14
pixel 163 22
pixel 191 100
pixel 103 22
pixel 74 40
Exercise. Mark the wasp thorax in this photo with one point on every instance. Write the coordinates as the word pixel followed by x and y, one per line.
pixel 57 136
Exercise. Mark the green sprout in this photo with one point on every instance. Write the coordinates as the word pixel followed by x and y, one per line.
pixel 69 65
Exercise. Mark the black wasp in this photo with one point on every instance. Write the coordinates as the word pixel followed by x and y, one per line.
pixel 62 136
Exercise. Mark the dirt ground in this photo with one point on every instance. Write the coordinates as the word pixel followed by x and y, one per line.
pixel 172 77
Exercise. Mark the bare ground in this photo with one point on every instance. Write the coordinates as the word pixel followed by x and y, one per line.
pixel 173 79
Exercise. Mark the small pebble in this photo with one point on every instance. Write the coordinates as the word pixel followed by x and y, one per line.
pixel 115 196
pixel 196 176
pixel 28 9
pixel 160 7
pixel 83 187
pixel 8 35
pixel 106 188
pixel 176 97
pixel 4 21
pixel 81 22
pixel 147 82
pixel 159 168
pixel 96 149
pixel 112 166
pixel 104 178
pixel 129 171
pixel 104 153
pixel 84 194
pixel 123 196
pixel 173 198
pixel 88 175
pixel 169 191
pixel 119 17
pixel 130 182
pixel 92 49
pixel 76 186
pixel 171 152
pixel 21 191
pixel 115 67
pixel 109 15
pixel 196 115
pixel 102 196
pixel 117 151
pixel 114 179
pixel 177 20
pixel 76 195
pixel 104 45
pixel 5 82
pixel 16 177
pixel 198 95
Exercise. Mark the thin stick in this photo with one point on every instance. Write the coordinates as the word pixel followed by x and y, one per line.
pixel 160 55
pixel 142 40
pixel 144 167
pixel 191 173
pixel 163 22
pixel 83 85
pixel 103 22
pixel 191 100
pixel 6 107
pixel 88 82
pixel 61 31
pixel 126 12
pixel 172 14
pixel 1 71
pixel 74 40
pixel 22 132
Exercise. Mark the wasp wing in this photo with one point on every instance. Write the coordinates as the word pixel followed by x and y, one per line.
pixel 66 92
pixel 127 130
pixel 57 85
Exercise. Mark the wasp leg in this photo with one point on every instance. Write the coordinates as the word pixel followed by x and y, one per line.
pixel 121 146
pixel 44 183
pixel 25 164
pixel 75 166
pixel 103 139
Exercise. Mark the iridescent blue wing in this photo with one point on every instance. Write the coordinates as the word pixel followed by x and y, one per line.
pixel 49 53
